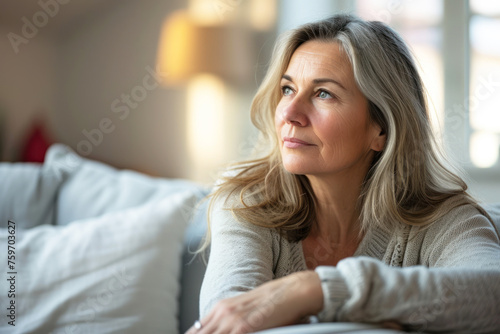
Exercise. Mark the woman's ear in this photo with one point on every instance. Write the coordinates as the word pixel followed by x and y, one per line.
pixel 378 142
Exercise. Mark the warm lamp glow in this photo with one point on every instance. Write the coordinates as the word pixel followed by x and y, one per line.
pixel 187 48
pixel 205 133
pixel 174 54
pixel 262 14
pixel 205 58
pixel 205 12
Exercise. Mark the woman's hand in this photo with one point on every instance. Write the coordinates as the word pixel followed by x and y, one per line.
pixel 284 301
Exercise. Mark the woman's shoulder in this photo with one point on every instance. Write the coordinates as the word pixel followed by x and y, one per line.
pixel 464 221
pixel 461 209
pixel 223 212
pixel 461 215
pixel 226 227
pixel 464 236
pixel 229 186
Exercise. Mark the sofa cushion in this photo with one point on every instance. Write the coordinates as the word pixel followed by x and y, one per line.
pixel 28 193
pixel 118 273
pixel 95 188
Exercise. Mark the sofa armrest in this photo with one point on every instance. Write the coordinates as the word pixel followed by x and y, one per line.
pixel 193 269
pixel 330 328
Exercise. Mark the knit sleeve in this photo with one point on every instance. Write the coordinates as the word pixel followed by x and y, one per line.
pixel 456 288
pixel 241 258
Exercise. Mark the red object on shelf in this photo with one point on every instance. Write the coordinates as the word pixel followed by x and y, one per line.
pixel 36 145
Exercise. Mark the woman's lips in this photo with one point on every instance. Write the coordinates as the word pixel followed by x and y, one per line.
pixel 290 142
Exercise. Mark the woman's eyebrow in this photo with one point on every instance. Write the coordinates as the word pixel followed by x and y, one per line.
pixel 316 81
pixel 322 80
pixel 287 77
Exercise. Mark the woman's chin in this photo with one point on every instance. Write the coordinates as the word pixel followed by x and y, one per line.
pixel 295 169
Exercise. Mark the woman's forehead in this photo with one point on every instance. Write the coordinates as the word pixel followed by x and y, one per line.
pixel 315 59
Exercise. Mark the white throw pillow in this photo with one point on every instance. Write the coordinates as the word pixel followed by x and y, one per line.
pixel 28 193
pixel 117 273
pixel 95 188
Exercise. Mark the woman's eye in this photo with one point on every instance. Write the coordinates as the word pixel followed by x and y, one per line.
pixel 324 95
pixel 286 90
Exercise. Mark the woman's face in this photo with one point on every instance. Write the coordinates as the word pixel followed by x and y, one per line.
pixel 322 119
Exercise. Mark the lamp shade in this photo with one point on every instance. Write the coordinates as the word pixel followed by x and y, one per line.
pixel 187 49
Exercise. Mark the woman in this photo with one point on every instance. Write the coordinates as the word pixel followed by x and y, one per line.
pixel 351 216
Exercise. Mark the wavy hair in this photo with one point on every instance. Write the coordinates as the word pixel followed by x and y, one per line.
pixel 407 182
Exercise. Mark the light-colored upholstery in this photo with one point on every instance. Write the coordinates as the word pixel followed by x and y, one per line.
pixel 116 273
pixel 329 328
pixel 103 248
pixel 94 188
pixel 28 192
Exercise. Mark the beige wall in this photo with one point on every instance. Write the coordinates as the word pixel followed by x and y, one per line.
pixel 79 72
pixel 27 88
pixel 76 79
pixel 110 54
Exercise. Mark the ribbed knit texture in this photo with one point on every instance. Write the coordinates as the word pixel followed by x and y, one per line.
pixel 442 278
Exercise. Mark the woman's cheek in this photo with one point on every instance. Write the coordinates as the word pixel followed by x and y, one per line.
pixel 278 115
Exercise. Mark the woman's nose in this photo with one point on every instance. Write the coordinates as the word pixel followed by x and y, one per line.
pixel 295 113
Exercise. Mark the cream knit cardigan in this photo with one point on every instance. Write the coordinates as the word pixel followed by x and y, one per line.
pixel 443 278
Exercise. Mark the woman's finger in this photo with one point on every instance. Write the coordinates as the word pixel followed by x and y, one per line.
pixel 200 327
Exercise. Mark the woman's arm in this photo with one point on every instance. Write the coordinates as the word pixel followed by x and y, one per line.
pixel 241 258
pixel 458 292
pixel 285 301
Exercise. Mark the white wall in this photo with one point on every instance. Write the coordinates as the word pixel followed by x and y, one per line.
pixel 27 89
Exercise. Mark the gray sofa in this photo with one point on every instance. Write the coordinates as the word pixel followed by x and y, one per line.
pixel 100 250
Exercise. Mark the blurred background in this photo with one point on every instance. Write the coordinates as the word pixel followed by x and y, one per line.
pixel 164 86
